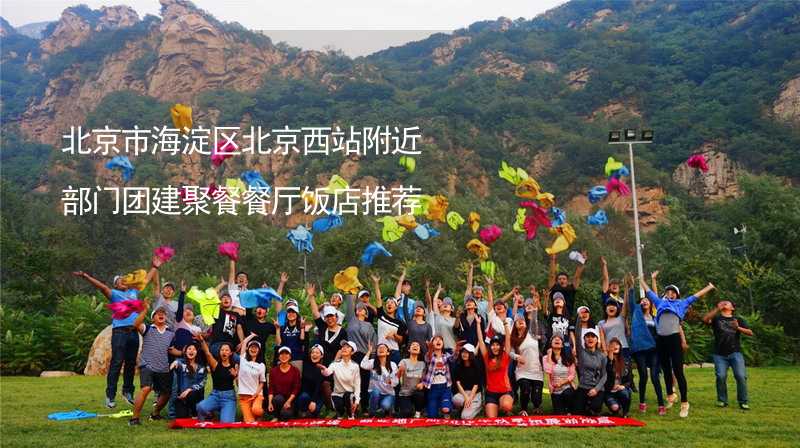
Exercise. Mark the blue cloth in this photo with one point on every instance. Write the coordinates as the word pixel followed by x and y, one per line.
pixel 624 171
pixel 598 218
pixel 123 164
pixel 405 308
pixel 301 239
pixel 736 362
pixel 328 222
pixel 121 296
pixel 222 401
pixel 371 251
pixel 559 217
pixel 77 414
pixel 641 337
pixel 425 231
pixel 596 194
pixel 439 396
pixel 262 297
pixel 677 307
pixel 256 183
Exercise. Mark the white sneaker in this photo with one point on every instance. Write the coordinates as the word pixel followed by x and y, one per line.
pixel 417 414
pixel 684 410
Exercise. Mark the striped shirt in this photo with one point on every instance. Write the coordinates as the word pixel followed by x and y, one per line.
pixel 438 370
pixel 155 345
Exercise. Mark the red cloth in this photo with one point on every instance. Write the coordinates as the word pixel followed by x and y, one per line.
pixel 284 383
pixel 121 310
pixel 490 234
pixel 497 373
pixel 538 217
pixel 698 161
pixel 229 249
pixel 511 422
pixel 223 150
pixel 164 253
pixel 617 185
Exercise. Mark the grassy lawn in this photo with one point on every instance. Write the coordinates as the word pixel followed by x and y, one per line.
pixel 773 421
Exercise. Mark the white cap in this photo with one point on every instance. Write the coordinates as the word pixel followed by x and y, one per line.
pixel 363 293
pixel 583 307
pixel 318 347
pixel 351 344
pixel 328 310
pixel 285 349
pixel 589 331
pixel 469 347
pixel 577 257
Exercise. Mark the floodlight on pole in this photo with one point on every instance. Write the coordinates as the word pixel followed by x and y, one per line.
pixel 630 139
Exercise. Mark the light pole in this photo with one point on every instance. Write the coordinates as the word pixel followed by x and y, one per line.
pixel 629 137
pixel 742 231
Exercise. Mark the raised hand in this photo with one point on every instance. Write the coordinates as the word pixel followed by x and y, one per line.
pixel 311 290
pixel 375 277
pixel 284 277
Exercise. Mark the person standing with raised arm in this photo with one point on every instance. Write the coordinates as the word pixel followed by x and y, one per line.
pixel 124 336
pixel 728 351
pixel 559 283
pixel 670 311
pixel 610 287
pixel 496 361
pixel 475 293
pixel 405 303
pixel 154 367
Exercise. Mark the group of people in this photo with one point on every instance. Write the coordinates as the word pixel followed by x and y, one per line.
pixel 363 353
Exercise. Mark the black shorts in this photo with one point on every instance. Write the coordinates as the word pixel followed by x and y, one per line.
pixel 161 382
pixel 494 397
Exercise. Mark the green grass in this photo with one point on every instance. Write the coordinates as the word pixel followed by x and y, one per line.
pixel 773 421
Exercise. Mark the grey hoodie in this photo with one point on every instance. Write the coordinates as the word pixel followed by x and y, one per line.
pixel 591 368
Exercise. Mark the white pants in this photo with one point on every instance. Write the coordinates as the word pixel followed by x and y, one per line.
pixel 468 410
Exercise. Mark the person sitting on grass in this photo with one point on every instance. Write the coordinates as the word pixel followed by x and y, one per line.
pixel 560 368
pixel 592 375
pixel 312 395
pixel 468 379
pixel 251 379
pixel 154 367
pixel 497 359
pixel 438 379
pixel 619 379
pixel 411 396
pixel 284 386
pixel 188 382
pixel 670 311
pixel 728 351
pixel 383 379
pixel 223 373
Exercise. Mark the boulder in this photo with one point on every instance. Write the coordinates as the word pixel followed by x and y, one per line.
pixel 56 373
pixel 100 354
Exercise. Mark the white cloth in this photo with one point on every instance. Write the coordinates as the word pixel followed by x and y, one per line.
pixel 234 290
pixel 250 374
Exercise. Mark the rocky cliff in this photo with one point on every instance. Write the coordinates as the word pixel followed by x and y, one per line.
pixel 719 183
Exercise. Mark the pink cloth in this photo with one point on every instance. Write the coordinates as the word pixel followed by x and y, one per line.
pixel 164 253
pixel 698 161
pixel 121 310
pixel 230 250
pixel 224 150
pixel 537 217
pixel 617 185
pixel 490 234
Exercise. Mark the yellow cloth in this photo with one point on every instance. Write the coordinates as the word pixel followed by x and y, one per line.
pixel 520 221
pixel 437 208
pixel 419 204
pixel 409 222
pixel 479 249
pixel 511 174
pixel 207 301
pixel 488 268
pixel 235 187
pixel 566 236
pixel 454 220
pixel 392 231
pixel 528 188
pixel 181 117
pixel 474 221
pixel 136 279
pixel 612 165
pixel 336 183
pixel 409 163
pixel 546 200
pixel 347 280
pixel 309 199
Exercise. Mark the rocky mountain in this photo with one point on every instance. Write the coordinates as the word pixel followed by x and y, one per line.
pixel 717 79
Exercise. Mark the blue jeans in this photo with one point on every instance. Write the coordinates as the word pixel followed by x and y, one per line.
pixel 222 401
pixel 736 362
pixel 304 399
pixel 124 348
pixel 384 402
pixel 439 397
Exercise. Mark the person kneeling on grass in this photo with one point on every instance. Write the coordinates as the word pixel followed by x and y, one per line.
pixel 251 379
pixel 346 381
pixel 468 380
pixel 188 382
pixel 438 379
pixel 728 351
pixel 154 366
pixel 223 373
pixel 496 359
pixel 619 379
pixel 382 381
pixel 411 396
pixel 284 386
pixel 592 374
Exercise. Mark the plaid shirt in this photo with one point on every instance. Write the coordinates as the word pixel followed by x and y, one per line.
pixel 432 361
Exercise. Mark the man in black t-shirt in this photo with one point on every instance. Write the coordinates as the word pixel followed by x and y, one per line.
pixel 560 283
pixel 728 351
pixel 256 321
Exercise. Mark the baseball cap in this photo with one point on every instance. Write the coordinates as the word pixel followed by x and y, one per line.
pixel 674 288
pixel 558 296
pixel 469 347
pixel 583 308
pixel 293 308
pixel 161 308
pixel 590 331
pixel 328 310
pixel 319 347
pixel 285 349
pixel 255 342
pixel 351 344
pixel 447 301
pixel 363 293
pixel 170 284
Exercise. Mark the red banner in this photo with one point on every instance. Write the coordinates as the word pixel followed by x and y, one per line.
pixel 511 422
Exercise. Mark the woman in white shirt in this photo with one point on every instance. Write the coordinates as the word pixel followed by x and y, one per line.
pixel 346 380
pixel 251 379
pixel 382 381
pixel 529 372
